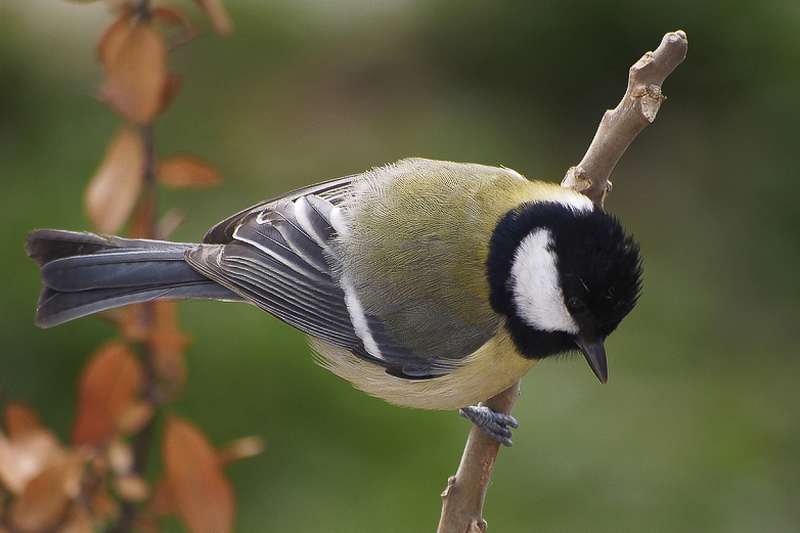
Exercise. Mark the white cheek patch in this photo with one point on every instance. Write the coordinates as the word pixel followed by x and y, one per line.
pixel 535 286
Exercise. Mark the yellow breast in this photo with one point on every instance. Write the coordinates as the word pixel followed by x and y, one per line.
pixel 488 371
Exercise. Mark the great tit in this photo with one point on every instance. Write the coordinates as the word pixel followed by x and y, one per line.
pixel 429 284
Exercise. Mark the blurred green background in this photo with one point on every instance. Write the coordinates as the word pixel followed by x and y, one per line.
pixel 699 427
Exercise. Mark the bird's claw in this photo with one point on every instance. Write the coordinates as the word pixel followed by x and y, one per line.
pixel 496 425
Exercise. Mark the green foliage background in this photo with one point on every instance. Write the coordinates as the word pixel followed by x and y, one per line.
pixel 697 430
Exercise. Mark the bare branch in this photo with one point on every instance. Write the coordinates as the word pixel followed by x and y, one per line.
pixel 462 507
pixel 620 126
pixel 463 499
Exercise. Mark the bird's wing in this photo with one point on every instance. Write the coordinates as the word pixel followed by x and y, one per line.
pixel 275 255
pixel 333 191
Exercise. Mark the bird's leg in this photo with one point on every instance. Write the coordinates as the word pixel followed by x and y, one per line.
pixel 493 424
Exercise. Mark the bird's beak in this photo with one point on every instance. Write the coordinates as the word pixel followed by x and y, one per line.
pixel 595 354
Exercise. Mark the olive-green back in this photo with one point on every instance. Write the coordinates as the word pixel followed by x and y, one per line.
pixel 416 247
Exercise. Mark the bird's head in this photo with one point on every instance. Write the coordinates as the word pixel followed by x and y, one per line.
pixel 564 274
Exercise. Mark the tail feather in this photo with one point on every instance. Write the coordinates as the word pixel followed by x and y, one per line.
pixel 84 273
pixel 118 269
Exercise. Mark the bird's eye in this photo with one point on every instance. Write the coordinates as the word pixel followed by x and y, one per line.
pixel 576 306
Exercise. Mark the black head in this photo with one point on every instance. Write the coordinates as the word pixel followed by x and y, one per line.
pixel 564 276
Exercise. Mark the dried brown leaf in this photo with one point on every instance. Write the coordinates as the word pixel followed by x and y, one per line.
pixel 162 502
pixel 110 383
pixel 20 419
pixel 135 63
pixel 217 15
pixel 25 457
pixel 114 189
pixel 173 17
pixel 77 521
pixel 132 488
pixel 147 524
pixel 131 320
pixel 169 222
pixel 203 495
pixel 168 15
pixel 134 417
pixel 167 343
pixel 187 172
pixel 114 37
pixel 103 506
pixel 46 498
pixel 172 88
pixel 239 449
pixel 120 457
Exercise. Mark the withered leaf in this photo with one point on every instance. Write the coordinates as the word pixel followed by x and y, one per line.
pixel 201 493
pixel 113 38
pixel 168 15
pixel 172 87
pixel 20 419
pixel 217 15
pixel 114 189
pixel 135 61
pixel 120 457
pixel 110 383
pixel 45 499
pixel 134 417
pixel 102 504
pixel 26 456
pixel 187 172
pixel 169 222
pixel 132 488
pixel 239 449
pixel 77 521
pixel 168 342
pixel 162 502
pixel 132 319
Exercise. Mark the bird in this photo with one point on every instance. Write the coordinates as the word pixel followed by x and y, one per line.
pixel 429 284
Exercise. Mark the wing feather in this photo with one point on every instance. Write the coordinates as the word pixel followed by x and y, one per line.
pixel 333 192
pixel 277 255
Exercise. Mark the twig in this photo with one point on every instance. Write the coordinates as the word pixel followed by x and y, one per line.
pixel 142 441
pixel 462 507
pixel 619 126
pixel 463 498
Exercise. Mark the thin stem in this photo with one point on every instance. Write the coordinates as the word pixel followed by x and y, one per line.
pixel 142 9
pixel 143 440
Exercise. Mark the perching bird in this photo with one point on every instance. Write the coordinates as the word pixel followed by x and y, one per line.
pixel 429 284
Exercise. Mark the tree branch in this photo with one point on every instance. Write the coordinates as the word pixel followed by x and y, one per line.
pixel 463 498
pixel 620 126
pixel 462 507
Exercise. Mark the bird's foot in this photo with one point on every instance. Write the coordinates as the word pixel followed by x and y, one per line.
pixel 493 424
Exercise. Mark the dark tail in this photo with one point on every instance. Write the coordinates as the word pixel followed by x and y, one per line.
pixel 84 273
